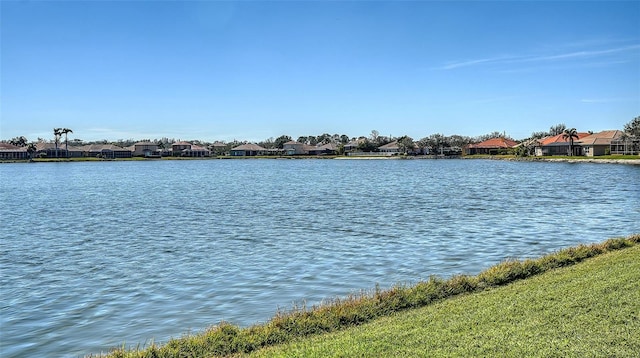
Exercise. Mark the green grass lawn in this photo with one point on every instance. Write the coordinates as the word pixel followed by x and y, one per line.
pixel 591 309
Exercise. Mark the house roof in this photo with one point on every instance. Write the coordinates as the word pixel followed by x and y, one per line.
pixel 328 146
pixel 48 145
pixel 219 144
pixel 292 142
pixel 181 143
pixel 197 148
pixel 249 146
pixel 8 146
pixel 145 143
pixel 392 145
pixel 99 147
pixel 601 138
pixel 498 142
pixel 559 139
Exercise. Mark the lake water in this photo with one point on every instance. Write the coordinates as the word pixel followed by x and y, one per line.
pixel 97 254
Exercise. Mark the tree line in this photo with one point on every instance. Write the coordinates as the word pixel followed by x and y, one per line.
pixel 371 143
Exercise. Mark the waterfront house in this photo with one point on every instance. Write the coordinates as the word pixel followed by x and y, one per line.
pixel 294 148
pixel 558 145
pixel 178 147
pixel 145 149
pixel 247 150
pixel 106 151
pixel 196 151
pixel 391 148
pixel 352 146
pixel 499 145
pixel 13 152
pixel 324 149
pixel 49 150
pixel 218 148
pixel 598 143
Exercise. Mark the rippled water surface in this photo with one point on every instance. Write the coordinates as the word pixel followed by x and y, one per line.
pixel 94 255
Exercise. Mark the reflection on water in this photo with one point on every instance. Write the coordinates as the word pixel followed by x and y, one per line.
pixel 97 254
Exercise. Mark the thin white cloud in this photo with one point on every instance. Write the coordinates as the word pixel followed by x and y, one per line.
pixel 587 54
pixel 607 100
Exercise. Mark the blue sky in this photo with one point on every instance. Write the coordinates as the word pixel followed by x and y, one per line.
pixel 258 69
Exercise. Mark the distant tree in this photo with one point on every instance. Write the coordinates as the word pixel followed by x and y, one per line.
pixel 57 133
pixel 422 145
pixel 570 134
pixel 557 129
pixel 374 136
pixel 324 138
pixel 344 139
pixel 302 139
pixel 367 145
pixel 66 132
pixel 280 141
pixel 18 141
pixel 31 148
pixel 406 144
pixel 539 135
pixel 632 129
pixel 458 140
pixel 494 134
pixel 267 143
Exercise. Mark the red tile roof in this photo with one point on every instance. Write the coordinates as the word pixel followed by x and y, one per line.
pixel 495 143
pixel 559 139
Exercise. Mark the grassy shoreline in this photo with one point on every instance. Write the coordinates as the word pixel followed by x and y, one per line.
pixel 227 339
pixel 591 309
pixel 606 159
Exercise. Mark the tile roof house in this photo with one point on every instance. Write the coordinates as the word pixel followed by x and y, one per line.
pixel 246 150
pixel 326 149
pixel 218 148
pixel 558 145
pixel 598 143
pixel 13 152
pixel 145 149
pixel 196 151
pixel 491 146
pixel 107 151
pixel 392 147
pixel 49 150
pixel 294 148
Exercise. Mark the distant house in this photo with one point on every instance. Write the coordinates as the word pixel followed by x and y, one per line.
pixel 392 148
pixel 352 146
pixel 49 150
pixel 12 152
pixel 324 149
pixel 145 149
pixel 196 151
pixel 219 148
pixel 294 148
pixel 107 151
pixel 491 146
pixel 598 143
pixel 558 145
pixel 178 147
pixel 247 150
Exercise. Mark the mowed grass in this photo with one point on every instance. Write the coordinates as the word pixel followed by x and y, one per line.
pixel 591 309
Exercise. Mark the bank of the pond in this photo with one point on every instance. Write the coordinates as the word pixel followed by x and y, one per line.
pixel 608 159
pixel 585 310
pixel 285 327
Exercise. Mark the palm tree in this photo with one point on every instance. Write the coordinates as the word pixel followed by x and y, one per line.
pixel 31 148
pixel 570 134
pixel 57 132
pixel 66 132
